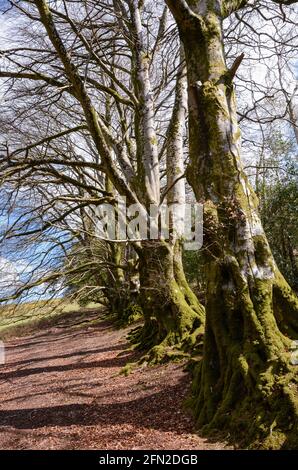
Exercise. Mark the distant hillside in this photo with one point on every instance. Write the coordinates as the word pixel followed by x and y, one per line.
pixel 21 319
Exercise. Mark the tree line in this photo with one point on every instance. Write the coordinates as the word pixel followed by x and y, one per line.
pixel 137 99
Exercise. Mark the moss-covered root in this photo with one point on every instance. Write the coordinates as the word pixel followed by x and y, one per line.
pixel 143 337
pixel 247 382
pixel 173 315
pixel 128 315
pixel 174 333
pixel 263 418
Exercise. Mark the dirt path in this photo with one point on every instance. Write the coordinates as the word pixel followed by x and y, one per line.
pixel 61 389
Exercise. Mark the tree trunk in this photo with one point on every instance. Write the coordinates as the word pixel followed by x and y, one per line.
pixel 246 381
pixel 173 316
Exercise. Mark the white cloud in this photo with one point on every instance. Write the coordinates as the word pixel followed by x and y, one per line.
pixel 8 272
pixel 10 275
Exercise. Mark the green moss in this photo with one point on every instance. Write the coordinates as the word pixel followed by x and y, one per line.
pixel 245 377
pixel 171 310
pixel 285 304
pixel 153 141
pixel 131 314
pixel 127 369
pixel 213 26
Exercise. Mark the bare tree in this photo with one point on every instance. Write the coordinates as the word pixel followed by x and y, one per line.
pixel 94 53
pixel 245 378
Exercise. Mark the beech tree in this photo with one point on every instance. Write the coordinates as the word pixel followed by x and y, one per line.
pixel 127 53
pixel 125 73
pixel 246 380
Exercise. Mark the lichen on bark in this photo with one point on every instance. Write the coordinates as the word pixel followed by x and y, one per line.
pixel 245 381
pixel 173 316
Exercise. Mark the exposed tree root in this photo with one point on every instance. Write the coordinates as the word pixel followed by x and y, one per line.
pixel 173 317
pixel 247 383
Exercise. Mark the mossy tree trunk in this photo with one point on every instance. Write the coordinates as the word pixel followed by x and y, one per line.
pixel 133 168
pixel 246 381
pixel 116 291
pixel 173 315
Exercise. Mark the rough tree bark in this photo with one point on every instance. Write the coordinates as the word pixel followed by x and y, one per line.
pixel 173 315
pixel 245 380
pixel 142 186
